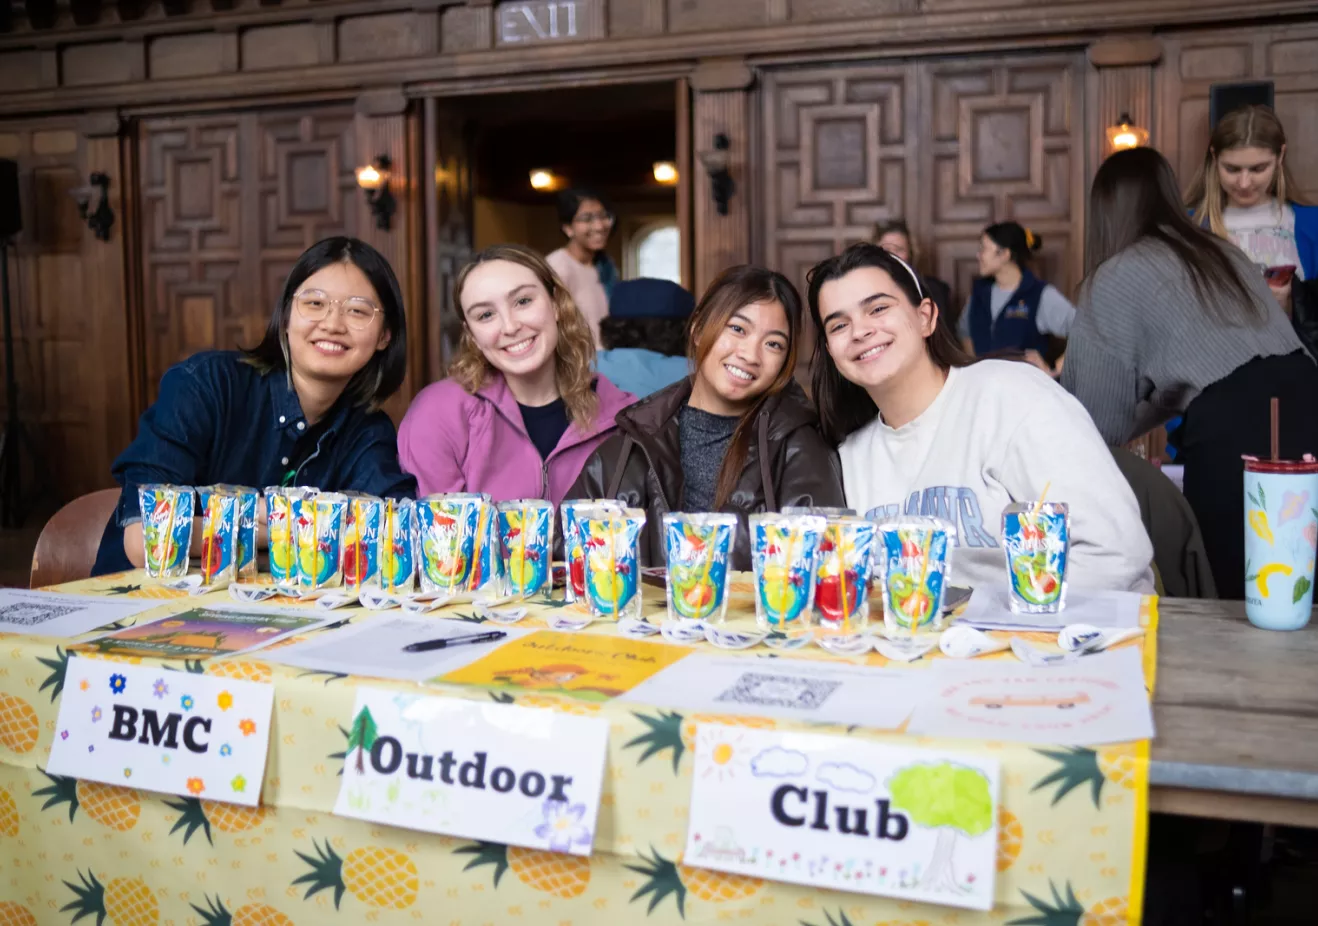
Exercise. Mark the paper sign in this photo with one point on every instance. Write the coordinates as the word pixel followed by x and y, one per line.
pixel 1095 699
pixel 845 815
pixel 988 609
pixel 203 633
pixel 591 668
pixel 160 730
pixel 491 772
pixel 49 614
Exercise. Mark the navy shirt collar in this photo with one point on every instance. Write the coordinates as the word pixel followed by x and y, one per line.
pixel 287 409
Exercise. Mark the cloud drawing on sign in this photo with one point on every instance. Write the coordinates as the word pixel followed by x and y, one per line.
pixel 845 777
pixel 777 762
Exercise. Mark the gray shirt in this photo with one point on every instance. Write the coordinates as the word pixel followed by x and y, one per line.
pixel 704 440
pixel 1143 345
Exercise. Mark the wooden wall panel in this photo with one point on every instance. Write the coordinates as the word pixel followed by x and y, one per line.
pixel 1193 61
pixel 721 240
pixel 70 320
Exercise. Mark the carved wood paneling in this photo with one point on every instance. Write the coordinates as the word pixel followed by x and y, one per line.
pixel 1287 55
pixel 67 289
pixel 950 146
pixel 228 203
pixel 721 240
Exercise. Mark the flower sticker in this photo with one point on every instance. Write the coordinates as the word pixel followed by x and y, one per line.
pixel 238 784
pixel 562 826
pixel 186 702
pixel 64 734
pixel 247 727
pixel 91 748
pixel 118 683
pixel 84 685
pixel 224 701
pixel 226 750
pixel 128 773
pixel 196 786
pixel 164 759
pixel 96 715
pixel 160 689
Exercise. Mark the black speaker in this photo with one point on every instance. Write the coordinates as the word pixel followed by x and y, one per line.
pixel 11 221
pixel 1225 98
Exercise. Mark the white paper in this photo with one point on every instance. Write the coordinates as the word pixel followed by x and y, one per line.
pixel 842 814
pixel 797 689
pixel 491 772
pixel 1097 699
pixel 988 610
pixel 48 614
pixel 374 647
pixel 149 727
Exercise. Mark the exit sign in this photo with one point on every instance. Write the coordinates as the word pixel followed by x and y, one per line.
pixel 525 22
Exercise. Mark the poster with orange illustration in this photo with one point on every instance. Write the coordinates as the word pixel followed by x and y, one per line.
pixel 204 633
pixel 589 668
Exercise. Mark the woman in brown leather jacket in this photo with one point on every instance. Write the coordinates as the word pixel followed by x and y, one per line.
pixel 738 435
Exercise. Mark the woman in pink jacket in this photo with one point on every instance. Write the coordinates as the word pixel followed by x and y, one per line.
pixel 521 410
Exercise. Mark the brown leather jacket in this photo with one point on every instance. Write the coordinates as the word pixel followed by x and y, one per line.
pixel 788 463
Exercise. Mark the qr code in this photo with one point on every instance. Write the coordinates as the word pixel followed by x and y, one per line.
pixel 779 691
pixel 29 614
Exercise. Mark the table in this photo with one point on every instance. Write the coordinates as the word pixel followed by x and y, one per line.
pixel 1071 831
pixel 1236 710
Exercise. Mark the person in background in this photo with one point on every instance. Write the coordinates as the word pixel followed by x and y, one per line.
pixel 1175 320
pixel 924 431
pixel 895 238
pixel 1010 309
pixel 1244 192
pixel 737 436
pixel 583 266
pixel 644 336
pixel 300 408
pixel 521 408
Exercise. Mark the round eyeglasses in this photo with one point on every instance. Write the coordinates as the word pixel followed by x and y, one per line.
pixel 314 306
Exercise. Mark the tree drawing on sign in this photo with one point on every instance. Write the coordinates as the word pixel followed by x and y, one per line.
pixel 362 737
pixel 951 799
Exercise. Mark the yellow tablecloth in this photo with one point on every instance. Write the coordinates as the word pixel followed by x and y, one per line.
pixel 1071 844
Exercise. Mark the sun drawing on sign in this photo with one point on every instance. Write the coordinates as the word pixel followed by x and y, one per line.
pixel 723 750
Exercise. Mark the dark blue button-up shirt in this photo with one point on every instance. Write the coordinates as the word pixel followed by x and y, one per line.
pixel 220 420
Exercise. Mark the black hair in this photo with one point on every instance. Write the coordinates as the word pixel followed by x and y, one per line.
pixel 1135 196
pixel 384 372
pixel 665 336
pixel 569 201
pixel 1017 239
pixel 843 406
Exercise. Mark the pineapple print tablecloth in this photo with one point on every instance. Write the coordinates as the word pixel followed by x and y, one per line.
pixel 1070 850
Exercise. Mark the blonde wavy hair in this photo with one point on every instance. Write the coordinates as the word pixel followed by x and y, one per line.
pixel 1247 127
pixel 573 357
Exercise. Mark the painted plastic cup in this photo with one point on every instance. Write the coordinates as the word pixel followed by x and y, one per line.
pixel 396 573
pixel 842 580
pixel 572 549
pixel 167 513
pixel 361 540
pixel 783 557
pixel 219 538
pixel 245 546
pixel 448 527
pixel 318 528
pixel 611 538
pixel 283 506
pixel 697 548
pixel 526 537
pixel 1037 544
pixel 1281 532
pixel 915 563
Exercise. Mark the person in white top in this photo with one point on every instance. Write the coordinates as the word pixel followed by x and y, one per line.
pixel 923 431
pixel 582 264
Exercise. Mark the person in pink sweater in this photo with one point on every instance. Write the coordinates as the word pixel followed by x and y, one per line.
pixel 521 409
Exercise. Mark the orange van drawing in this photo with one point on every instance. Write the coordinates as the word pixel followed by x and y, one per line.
pixel 994 703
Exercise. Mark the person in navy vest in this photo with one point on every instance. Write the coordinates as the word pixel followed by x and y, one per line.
pixel 1011 311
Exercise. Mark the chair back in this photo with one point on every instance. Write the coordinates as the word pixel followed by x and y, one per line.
pixel 66 549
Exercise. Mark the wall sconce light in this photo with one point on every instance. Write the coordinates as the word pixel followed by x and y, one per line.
pixel 544 180
pixel 665 172
pixel 374 179
pixel 101 219
pixel 716 165
pixel 1126 134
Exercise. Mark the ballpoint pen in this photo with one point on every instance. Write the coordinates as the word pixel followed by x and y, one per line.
pixel 427 645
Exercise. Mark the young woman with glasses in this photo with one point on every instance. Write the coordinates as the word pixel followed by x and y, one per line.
pixel 581 263
pixel 300 408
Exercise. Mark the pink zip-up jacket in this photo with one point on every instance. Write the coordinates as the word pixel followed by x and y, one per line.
pixel 453 441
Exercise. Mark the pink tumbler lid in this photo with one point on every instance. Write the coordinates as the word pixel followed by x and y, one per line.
pixel 1294 467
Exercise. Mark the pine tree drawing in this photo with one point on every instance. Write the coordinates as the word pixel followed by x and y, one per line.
pixel 363 736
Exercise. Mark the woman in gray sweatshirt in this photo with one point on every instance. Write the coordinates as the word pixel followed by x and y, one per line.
pixel 1174 321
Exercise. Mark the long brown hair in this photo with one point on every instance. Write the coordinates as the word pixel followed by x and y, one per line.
pixel 1134 198
pixel 573 356
pixel 733 289
pixel 1247 127
pixel 843 406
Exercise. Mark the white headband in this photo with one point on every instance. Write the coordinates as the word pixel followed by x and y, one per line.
pixel 914 276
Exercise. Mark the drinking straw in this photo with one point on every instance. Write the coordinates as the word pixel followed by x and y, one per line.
pixel 315 543
pixel 842 574
pixel 787 566
pixel 709 557
pixel 212 506
pixel 613 560
pixel 454 548
pixel 522 548
pixel 169 531
pixel 482 524
pixel 1276 428
pixel 1038 506
pixel 387 546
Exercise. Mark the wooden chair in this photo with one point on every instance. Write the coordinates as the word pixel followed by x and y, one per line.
pixel 66 549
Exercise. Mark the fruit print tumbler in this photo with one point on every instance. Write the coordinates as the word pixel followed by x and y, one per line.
pixel 1281 532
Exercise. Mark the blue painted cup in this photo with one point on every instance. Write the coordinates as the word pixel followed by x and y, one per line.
pixel 1281 534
